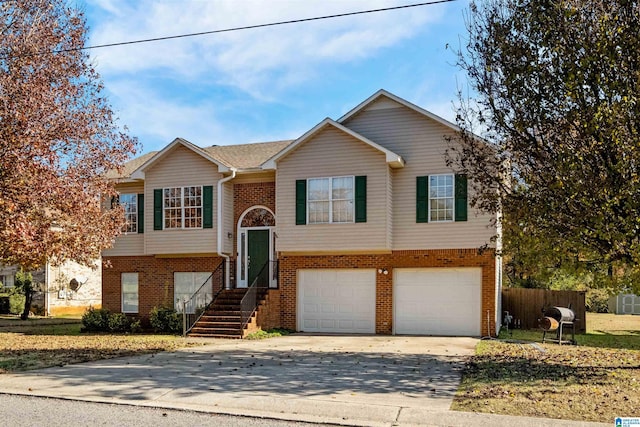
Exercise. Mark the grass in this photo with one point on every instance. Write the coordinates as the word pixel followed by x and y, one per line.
pixel 596 380
pixel 269 333
pixel 35 345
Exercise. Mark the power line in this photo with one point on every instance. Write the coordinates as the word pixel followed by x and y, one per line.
pixel 250 27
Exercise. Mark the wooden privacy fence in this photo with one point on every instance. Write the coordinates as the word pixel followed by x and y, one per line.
pixel 525 305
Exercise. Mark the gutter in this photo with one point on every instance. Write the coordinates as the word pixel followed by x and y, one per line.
pixel 227 267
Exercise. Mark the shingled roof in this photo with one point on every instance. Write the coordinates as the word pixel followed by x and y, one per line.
pixel 131 166
pixel 241 156
pixel 246 156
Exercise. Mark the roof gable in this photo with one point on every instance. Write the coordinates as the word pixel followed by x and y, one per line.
pixel 394 160
pixel 381 94
pixel 139 172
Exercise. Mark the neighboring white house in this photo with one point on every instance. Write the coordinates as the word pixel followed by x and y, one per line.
pixel 68 289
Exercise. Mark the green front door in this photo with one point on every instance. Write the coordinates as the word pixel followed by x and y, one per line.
pixel 258 255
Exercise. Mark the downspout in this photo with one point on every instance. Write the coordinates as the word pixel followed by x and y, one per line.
pixel 227 266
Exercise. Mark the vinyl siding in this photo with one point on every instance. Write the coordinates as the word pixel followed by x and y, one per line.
pixel 180 168
pixel 130 243
pixel 254 177
pixel 420 141
pixel 227 220
pixel 328 154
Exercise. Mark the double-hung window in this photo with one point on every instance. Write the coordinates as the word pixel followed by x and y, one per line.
pixel 185 284
pixel 129 203
pixel 330 199
pixel 182 207
pixel 129 292
pixel 441 199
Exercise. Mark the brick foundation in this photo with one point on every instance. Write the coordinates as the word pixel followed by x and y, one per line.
pixel 155 279
pixel 289 265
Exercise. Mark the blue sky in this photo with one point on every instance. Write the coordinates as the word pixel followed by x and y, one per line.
pixel 272 83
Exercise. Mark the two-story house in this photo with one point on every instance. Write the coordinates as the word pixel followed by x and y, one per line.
pixel 357 226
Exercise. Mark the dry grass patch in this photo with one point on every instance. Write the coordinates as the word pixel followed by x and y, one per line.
pixel 26 347
pixel 595 381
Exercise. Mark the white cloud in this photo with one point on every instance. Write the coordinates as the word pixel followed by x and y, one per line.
pixel 155 118
pixel 255 61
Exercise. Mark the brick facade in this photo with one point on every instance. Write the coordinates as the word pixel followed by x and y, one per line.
pixel 246 196
pixel 253 194
pixel 155 279
pixel 289 266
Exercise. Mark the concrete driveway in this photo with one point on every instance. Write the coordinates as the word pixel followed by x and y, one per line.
pixel 357 380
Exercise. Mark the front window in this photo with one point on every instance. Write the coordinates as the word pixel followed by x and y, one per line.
pixel 182 207
pixel 7 280
pixel 441 198
pixel 129 292
pixel 186 284
pixel 129 203
pixel 330 200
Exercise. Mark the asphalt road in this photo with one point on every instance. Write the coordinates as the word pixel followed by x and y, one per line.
pixel 27 411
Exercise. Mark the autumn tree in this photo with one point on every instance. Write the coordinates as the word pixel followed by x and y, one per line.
pixel 58 137
pixel 556 98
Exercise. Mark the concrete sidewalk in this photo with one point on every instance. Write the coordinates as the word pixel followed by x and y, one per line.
pixel 359 381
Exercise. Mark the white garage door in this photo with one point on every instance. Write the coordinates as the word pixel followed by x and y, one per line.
pixel 340 301
pixel 437 301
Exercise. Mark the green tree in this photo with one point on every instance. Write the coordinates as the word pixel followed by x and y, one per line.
pixel 58 138
pixel 557 86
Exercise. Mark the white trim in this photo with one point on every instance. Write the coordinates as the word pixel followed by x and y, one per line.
pixel 122 292
pixel 135 196
pixel 182 207
pixel 239 261
pixel 330 200
pixel 220 229
pixel 400 101
pixel 139 173
pixel 394 160
pixel 453 211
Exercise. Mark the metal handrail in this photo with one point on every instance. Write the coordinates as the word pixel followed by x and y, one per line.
pixel 196 305
pixel 250 301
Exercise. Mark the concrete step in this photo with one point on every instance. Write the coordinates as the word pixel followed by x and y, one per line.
pixel 232 337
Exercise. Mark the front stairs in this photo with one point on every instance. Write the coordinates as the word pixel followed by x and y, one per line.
pixel 222 318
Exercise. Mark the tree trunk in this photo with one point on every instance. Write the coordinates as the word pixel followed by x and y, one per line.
pixel 28 298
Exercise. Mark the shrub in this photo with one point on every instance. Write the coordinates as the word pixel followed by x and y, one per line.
pixel 96 320
pixel 135 327
pixel 166 320
pixel 16 303
pixel 597 301
pixel 5 304
pixel 118 322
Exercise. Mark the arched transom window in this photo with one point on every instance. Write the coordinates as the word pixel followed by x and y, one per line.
pixel 258 217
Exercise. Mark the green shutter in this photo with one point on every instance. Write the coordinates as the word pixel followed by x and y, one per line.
pixel 361 199
pixel 461 198
pixel 301 201
pixel 207 206
pixel 157 209
pixel 422 198
pixel 140 213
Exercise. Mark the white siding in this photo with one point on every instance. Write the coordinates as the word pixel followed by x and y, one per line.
pixel 131 243
pixel 420 141
pixel 180 167
pixel 333 153
pixel 62 298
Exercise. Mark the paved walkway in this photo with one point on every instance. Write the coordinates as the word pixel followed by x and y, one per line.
pixel 360 381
